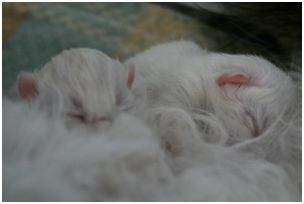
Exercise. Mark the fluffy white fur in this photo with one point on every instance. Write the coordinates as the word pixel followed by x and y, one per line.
pixel 77 81
pixel 43 161
pixel 263 119
pixel 183 75
pixel 186 138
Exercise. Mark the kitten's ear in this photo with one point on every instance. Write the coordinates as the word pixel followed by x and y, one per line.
pixel 234 79
pixel 131 75
pixel 27 86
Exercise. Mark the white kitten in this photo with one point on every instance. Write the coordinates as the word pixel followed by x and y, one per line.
pixel 84 85
pixel 237 100
pixel 238 89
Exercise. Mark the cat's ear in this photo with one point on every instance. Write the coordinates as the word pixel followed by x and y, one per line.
pixel 234 79
pixel 26 85
pixel 131 75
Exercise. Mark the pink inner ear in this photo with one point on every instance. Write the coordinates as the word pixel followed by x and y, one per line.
pixel 27 86
pixel 237 79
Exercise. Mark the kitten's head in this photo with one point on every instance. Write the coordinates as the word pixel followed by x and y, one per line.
pixel 82 84
pixel 254 93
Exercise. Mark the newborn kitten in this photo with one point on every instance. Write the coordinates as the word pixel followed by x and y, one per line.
pixel 84 85
pixel 241 101
pixel 246 93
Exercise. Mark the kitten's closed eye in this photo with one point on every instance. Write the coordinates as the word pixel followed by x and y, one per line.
pixel 85 119
pixel 78 116
pixel 78 113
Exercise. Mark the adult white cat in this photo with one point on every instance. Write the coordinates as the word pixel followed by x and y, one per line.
pixel 44 161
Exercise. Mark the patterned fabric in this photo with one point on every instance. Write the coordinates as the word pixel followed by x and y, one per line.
pixel 34 32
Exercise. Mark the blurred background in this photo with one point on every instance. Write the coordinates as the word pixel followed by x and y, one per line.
pixel 34 32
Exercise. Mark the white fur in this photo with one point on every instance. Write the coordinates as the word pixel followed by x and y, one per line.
pixel 187 140
pixel 180 74
pixel 87 77
pixel 43 161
